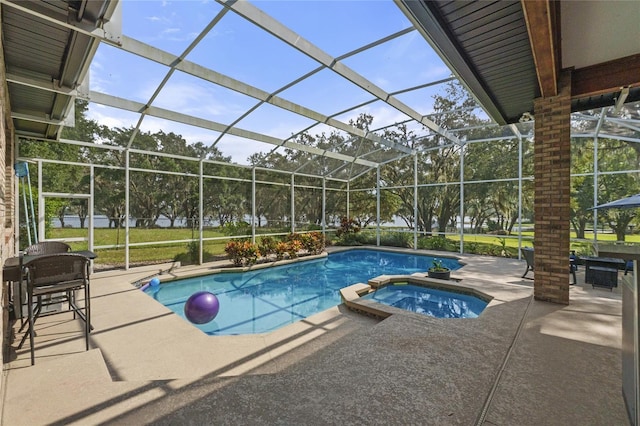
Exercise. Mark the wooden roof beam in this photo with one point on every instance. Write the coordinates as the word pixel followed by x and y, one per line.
pixel 606 77
pixel 542 18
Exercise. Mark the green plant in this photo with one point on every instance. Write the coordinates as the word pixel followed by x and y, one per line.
pixel 437 266
pixel 236 228
pixel 471 247
pixel 281 248
pixel 503 247
pixel 436 242
pixel 192 255
pixel 242 252
pixel 312 242
pixel 267 245
pixel 493 226
pixel 396 239
pixel 349 240
pixel 293 247
pixel 193 251
pixel 347 226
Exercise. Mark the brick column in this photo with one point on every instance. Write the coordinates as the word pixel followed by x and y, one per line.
pixel 552 164
pixel 7 197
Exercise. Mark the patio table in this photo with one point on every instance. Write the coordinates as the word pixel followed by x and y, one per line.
pixel 13 272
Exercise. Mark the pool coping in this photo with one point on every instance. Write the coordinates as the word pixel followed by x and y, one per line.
pixel 198 270
pixel 178 271
pixel 352 295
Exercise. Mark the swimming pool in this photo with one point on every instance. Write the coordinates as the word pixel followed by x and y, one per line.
pixel 266 299
pixel 429 301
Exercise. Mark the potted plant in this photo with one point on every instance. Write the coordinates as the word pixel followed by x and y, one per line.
pixel 438 270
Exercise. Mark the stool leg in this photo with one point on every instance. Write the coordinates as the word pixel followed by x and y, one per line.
pixel 31 331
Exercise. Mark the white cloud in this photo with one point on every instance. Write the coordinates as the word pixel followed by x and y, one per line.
pixel 108 116
pixel 206 102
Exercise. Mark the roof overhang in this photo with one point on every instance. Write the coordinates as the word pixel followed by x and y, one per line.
pixel 48 46
pixel 510 52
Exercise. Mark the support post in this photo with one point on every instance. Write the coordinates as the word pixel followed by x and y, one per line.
pixel 552 214
pixel 324 206
pixel 378 206
pixel 595 189
pixel 201 211
pixel 253 205
pixel 519 195
pixel 41 213
pixel 293 204
pixel 462 199
pixel 90 208
pixel 415 200
pixel 348 187
pixel 127 183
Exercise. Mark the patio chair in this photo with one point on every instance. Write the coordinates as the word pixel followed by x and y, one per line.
pixel 527 253
pixel 37 249
pixel 47 247
pixel 58 276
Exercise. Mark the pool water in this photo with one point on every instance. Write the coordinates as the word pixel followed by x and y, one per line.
pixel 266 299
pixel 429 301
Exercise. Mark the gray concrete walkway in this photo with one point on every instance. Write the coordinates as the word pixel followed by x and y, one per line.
pixel 522 362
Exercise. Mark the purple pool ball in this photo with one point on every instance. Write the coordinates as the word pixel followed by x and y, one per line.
pixel 201 307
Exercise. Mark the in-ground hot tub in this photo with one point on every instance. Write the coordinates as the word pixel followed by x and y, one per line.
pixel 386 295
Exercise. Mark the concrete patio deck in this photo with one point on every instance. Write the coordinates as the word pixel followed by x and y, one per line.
pixel 522 362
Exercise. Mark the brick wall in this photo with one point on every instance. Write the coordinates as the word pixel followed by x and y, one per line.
pixel 7 194
pixel 552 163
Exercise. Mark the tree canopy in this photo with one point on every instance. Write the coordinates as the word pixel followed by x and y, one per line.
pixel 164 173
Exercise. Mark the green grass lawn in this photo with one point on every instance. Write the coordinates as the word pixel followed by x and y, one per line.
pixel 140 254
pixel 512 241
pixel 166 252
pixel 583 247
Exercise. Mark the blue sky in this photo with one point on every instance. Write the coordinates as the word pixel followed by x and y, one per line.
pixel 240 50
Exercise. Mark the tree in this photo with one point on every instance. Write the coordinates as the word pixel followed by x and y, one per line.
pixel 58 176
pixel 617 156
pixel 581 185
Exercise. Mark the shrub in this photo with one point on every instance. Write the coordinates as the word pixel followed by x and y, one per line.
pixel 290 248
pixel 193 251
pixel 293 236
pixel 396 239
pixel 348 240
pixel 493 226
pixel 242 252
pixel 192 255
pixel 437 242
pixel 347 226
pixel 293 247
pixel 281 248
pixel 471 247
pixel 367 237
pixel 312 242
pixel 236 228
pixel 267 245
